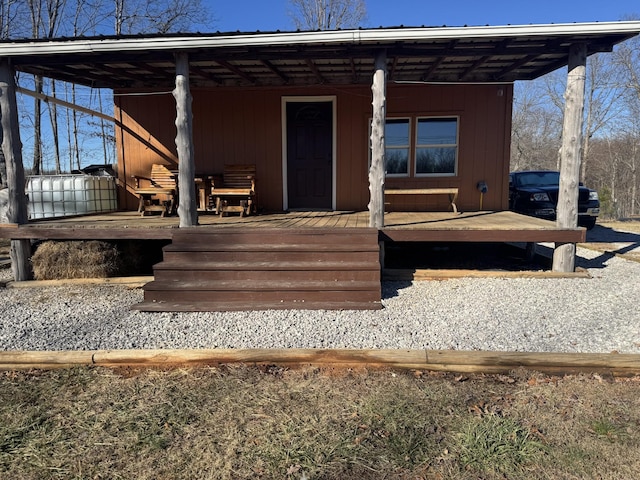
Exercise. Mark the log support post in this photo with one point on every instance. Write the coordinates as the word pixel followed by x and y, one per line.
pixel 564 255
pixel 376 169
pixel 187 209
pixel 12 149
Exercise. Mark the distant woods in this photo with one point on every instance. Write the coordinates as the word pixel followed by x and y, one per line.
pixel 611 134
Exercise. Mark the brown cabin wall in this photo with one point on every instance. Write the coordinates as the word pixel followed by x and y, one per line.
pixel 234 125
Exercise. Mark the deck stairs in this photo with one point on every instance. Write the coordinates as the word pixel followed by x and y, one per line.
pixel 224 269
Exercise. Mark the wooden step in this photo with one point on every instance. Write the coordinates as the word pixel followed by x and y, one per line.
pixel 285 265
pixel 250 297
pixel 229 306
pixel 256 269
pixel 258 286
pixel 223 245
pixel 275 235
pixel 263 273
pixel 267 256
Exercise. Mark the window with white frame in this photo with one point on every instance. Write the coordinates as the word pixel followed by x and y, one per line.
pixel 436 146
pixel 397 135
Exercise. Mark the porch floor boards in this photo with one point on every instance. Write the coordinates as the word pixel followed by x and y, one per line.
pixel 484 226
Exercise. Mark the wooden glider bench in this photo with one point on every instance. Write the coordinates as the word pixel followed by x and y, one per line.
pixel 163 183
pixel 234 191
pixel 452 192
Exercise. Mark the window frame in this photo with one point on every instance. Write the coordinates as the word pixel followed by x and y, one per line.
pixel 406 147
pixel 417 146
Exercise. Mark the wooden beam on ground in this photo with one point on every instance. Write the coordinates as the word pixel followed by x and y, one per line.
pixel 187 208
pixel 376 169
pixel 12 149
pixel 564 256
pixel 133 282
pixel 446 274
pixel 426 360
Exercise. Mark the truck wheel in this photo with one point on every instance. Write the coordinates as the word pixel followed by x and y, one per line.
pixel 589 223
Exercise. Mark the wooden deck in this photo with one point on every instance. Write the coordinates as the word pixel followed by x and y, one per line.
pixel 399 226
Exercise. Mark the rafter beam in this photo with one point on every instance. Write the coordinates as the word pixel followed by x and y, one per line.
pixel 232 68
pixel 473 67
pixel 204 74
pixel 354 70
pixel 392 70
pixel 438 61
pixel 314 68
pixel 275 71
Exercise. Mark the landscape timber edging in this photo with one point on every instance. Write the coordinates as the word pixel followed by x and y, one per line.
pixel 427 360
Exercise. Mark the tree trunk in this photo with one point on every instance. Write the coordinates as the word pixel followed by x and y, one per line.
pixel 37 129
pixel 187 209
pixel 376 169
pixel 75 121
pixel 12 149
pixel 53 116
pixel 564 255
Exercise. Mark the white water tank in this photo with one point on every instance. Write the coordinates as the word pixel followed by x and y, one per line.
pixel 53 196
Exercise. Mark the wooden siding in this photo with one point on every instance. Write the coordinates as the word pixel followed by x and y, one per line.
pixel 244 125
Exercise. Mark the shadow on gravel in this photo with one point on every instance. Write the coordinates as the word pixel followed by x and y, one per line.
pixel 611 243
pixel 392 289
pixel 492 256
pixel 602 234
pixel 461 256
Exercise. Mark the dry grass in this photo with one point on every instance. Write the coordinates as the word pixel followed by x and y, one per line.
pixel 94 259
pixel 77 259
pixel 243 422
pixel 628 225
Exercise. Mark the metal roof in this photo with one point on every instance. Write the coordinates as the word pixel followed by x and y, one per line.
pixel 423 54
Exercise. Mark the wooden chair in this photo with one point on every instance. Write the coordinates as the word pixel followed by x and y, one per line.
pixel 161 193
pixel 234 191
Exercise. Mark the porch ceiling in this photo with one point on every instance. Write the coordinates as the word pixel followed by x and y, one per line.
pixel 442 54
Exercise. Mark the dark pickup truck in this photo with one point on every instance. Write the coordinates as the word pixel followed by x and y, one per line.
pixel 535 193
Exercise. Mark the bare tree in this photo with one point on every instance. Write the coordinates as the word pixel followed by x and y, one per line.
pixel 165 16
pixel 11 20
pixel 327 14
pixel 46 16
pixel 602 100
pixel 535 129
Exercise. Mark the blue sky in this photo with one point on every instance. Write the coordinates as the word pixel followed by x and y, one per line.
pixel 267 15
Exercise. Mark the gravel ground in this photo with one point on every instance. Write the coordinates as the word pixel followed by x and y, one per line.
pixel 599 314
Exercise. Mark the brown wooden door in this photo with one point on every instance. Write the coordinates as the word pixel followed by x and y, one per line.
pixel 309 155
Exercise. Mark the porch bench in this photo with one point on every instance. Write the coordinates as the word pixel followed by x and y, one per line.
pixel 161 183
pixel 234 191
pixel 452 192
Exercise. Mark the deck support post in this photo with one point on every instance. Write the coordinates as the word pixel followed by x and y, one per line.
pixel 187 209
pixel 564 255
pixel 376 169
pixel 12 149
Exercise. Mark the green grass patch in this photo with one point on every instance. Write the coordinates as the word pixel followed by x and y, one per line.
pixel 498 445
pixel 234 422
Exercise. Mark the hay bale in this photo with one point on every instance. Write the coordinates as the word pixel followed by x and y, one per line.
pixel 75 259
pixel 4 205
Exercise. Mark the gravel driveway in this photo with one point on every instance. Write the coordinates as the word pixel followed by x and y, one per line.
pixel 598 314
